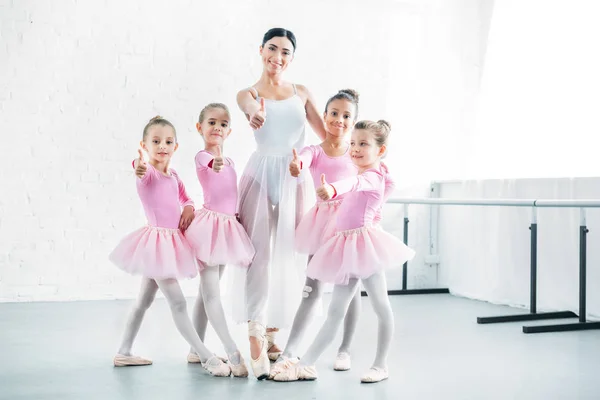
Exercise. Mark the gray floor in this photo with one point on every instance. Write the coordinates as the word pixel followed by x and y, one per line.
pixel 64 351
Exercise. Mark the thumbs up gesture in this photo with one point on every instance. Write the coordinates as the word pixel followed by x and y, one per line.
pixel 140 165
pixel 258 119
pixel 295 165
pixel 218 161
pixel 325 191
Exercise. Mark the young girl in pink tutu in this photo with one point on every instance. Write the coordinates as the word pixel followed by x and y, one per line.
pixel 332 157
pixel 359 250
pixel 216 237
pixel 159 252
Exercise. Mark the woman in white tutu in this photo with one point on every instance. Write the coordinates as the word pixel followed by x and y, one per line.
pixel 271 202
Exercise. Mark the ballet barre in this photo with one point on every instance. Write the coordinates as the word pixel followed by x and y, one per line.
pixel 534 204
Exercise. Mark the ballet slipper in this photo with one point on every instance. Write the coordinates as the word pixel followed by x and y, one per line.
pixel 375 374
pixel 216 367
pixel 121 360
pixel 342 362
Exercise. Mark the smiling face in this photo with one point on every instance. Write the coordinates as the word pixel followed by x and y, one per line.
pixel 339 117
pixel 214 127
pixel 365 151
pixel 160 142
pixel 276 54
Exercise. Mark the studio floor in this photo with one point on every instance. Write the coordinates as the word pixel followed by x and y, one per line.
pixel 64 351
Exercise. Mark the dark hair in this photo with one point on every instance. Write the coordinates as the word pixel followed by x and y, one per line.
pixel 279 32
pixel 158 120
pixel 345 94
pixel 212 106
pixel 381 129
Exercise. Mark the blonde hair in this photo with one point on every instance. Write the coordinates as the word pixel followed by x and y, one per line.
pixel 158 120
pixel 381 130
pixel 212 106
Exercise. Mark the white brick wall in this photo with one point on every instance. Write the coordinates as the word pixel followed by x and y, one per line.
pixel 79 79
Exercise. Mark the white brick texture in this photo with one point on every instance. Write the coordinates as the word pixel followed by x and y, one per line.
pixel 79 79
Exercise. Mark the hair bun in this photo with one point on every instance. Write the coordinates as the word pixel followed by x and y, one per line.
pixel 351 92
pixel 385 124
pixel 155 118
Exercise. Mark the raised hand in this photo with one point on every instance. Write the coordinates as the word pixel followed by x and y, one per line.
pixel 140 165
pixel 295 165
pixel 258 119
pixel 325 191
pixel 218 161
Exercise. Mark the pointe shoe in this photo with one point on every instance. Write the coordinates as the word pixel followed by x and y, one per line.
pixel 193 358
pixel 273 355
pixel 216 367
pixel 375 374
pixel 261 366
pixel 295 372
pixel 121 360
pixel 342 362
pixel 239 370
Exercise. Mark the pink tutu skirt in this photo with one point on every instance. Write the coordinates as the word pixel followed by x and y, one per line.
pixel 219 239
pixel 357 253
pixel 317 226
pixel 156 253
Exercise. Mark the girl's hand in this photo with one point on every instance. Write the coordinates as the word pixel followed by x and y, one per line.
pixel 295 165
pixel 326 191
pixel 218 162
pixel 187 216
pixel 140 165
pixel 258 119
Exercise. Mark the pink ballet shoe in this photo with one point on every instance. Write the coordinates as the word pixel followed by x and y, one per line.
pixel 374 375
pixel 342 362
pixel 281 365
pixel 216 367
pixel 121 360
pixel 295 372
pixel 239 370
pixel 193 358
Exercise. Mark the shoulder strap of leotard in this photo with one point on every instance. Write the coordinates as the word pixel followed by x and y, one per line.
pixel 252 88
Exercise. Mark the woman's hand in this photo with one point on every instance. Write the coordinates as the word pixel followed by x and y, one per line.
pixel 257 120
pixel 295 165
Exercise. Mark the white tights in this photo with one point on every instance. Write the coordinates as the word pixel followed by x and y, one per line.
pixel 311 295
pixel 208 307
pixel 178 305
pixel 376 288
